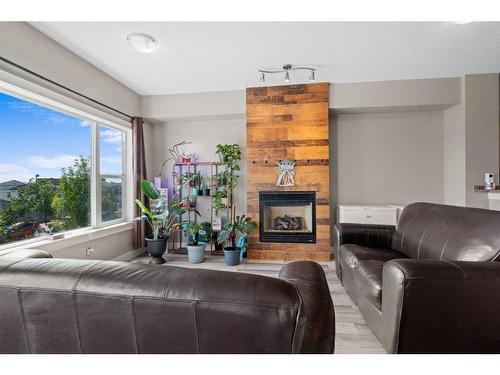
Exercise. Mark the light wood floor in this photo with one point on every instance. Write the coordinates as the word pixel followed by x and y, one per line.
pixel 352 333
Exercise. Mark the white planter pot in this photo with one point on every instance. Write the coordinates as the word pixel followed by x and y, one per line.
pixel 196 254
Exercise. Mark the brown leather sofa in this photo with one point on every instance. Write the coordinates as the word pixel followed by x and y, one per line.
pixel 429 285
pixel 78 306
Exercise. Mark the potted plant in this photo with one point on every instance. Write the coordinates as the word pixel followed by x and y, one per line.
pixel 228 153
pixel 230 156
pixel 196 248
pixel 191 178
pixel 195 179
pixel 240 225
pixel 206 232
pixel 179 178
pixel 200 183
pixel 162 218
pixel 220 200
pixel 205 187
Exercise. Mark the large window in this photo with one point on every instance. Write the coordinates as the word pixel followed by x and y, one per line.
pixel 58 172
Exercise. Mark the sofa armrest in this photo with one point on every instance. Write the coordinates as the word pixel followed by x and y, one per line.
pixel 438 306
pixel 361 234
pixel 26 253
pixel 319 328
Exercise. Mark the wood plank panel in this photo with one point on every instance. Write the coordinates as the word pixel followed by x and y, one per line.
pixel 289 122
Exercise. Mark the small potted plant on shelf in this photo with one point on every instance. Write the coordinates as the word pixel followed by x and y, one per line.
pixel 240 225
pixel 179 178
pixel 162 217
pixel 191 178
pixel 219 200
pixel 195 183
pixel 200 184
pixel 196 248
pixel 220 179
pixel 205 187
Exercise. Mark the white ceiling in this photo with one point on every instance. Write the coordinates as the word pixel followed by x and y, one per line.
pixel 201 56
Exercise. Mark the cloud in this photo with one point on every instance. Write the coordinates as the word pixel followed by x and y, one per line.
pixel 112 159
pixel 15 172
pixel 38 111
pixel 111 136
pixel 58 161
pixel 85 123
pixel 26 107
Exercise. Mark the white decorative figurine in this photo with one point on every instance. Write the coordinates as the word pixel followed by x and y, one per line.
pixel 286 173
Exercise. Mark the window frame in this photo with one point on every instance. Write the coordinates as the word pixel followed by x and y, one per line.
pixel 31 92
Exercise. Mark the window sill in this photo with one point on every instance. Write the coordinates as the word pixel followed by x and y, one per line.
pixel 71 238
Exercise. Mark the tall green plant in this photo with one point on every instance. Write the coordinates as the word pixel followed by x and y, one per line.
pixel 162 217
pixel 242 224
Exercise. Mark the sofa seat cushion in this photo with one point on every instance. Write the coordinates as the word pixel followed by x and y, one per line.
pixel 368 281
pixel 350 255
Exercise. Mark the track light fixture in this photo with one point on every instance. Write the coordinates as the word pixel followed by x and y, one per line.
pixel 287 68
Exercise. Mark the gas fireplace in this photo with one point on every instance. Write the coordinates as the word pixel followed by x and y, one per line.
pixel 287 216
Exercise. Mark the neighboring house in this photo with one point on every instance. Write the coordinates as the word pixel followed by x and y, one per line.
pixel 8 190
pixel 3 204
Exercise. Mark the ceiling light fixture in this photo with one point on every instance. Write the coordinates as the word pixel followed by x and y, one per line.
pixel 287 68
pixel 142 43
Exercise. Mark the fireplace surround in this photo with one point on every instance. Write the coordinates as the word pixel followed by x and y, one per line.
pixel 287 216
pixel 289 122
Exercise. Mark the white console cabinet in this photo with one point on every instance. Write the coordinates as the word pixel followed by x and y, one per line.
pixel 368 214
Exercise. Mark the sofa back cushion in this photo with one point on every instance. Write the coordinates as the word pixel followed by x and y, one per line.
pixel 436 231
pixel 79 306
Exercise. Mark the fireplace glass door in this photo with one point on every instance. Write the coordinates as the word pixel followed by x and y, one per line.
pixel 287 216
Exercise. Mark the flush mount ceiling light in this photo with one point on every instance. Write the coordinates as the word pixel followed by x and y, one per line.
pixel 142 43
pixel 287 68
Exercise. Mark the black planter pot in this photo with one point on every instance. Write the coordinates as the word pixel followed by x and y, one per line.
pixel 206 192
pixel 156 248
pixel 232 256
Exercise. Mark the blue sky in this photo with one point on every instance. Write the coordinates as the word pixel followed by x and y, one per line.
pixel 37 140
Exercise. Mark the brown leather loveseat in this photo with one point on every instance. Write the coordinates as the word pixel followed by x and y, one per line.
pixel 76 306
pixel 429 285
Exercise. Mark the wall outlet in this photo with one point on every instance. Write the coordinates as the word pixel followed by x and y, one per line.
pixel 89 251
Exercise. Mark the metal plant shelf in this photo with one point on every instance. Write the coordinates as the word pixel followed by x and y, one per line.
pixel 178 237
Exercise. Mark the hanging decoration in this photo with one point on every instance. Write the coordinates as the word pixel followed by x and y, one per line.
pixel 286 173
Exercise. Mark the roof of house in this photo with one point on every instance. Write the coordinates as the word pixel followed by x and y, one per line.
pixel 11 185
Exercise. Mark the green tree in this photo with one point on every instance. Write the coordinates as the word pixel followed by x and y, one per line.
pixel 32 202
pixel 71 202
pixel 3 226
pixel 111 200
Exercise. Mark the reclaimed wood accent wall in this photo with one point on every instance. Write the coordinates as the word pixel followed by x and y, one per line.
pixel 289 122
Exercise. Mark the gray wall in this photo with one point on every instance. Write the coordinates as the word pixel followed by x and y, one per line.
pixel 388 158
pixel 454 153
pixel 481 133
pixel 204 135
pixel 26 46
